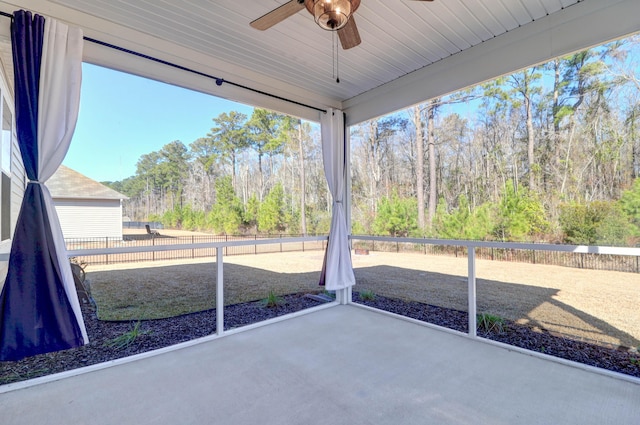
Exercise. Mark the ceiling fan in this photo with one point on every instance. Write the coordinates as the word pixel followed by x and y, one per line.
pixel 332 15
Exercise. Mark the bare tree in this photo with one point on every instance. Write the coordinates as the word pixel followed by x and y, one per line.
pixel 417 122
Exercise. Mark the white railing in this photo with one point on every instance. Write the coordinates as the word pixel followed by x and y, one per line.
pixel 219 247
pixel 470 245
pixel 174 247
pixel 471 264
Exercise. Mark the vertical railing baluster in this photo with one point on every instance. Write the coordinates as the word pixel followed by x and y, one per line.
pixel 471 258
pixel 219 293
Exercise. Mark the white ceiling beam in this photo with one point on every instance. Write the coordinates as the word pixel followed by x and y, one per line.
pixel 583 25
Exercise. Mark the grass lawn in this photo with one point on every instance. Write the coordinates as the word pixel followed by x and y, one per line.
pixel 155 290
pixel 594 305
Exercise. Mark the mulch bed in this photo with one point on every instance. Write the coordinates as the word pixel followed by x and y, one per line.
pixel 160 333
pixel 153 334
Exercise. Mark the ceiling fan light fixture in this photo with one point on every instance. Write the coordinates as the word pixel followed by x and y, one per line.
pixel 332 15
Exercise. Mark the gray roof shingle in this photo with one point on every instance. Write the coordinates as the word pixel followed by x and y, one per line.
pixel 70 184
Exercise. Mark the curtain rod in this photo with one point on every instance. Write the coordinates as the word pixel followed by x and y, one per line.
pixel 219 81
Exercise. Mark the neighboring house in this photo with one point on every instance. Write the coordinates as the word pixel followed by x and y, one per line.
pixel 86 208
pixel 13 179
pixel 12 175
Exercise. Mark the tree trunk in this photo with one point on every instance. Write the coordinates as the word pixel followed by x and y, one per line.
pixel 556 140
pixel 261 181
pixel 233 169
pixel 431 112
pixel 374 165
pixel 417 120
pixel 526 92
pixel 303 184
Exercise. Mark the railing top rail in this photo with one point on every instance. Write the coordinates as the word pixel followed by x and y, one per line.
pixel 174 247
pixel 200 245
pixel 609 250
pixel 586 249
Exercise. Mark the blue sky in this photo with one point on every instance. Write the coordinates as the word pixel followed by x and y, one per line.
pixel 123 116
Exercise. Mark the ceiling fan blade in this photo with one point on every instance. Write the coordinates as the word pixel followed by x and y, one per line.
pixel 349 35
pixel 278 14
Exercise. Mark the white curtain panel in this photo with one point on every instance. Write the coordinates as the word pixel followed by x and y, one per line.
pixel 339 270
pixel 59 103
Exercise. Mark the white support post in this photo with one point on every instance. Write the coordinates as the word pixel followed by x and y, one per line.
pixel 219 293
pixel 471 254
pixel 347 199
pixel 343 296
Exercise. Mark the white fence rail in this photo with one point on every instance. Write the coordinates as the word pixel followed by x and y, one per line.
pixel 583 257
pixel 218 246
pixel 219 254
pixel 471 247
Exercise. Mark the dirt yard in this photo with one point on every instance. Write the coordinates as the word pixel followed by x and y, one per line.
pixel 592 305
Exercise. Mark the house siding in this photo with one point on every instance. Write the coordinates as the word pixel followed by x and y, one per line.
pixel 88 218
pixel 18 177
pixel 18 183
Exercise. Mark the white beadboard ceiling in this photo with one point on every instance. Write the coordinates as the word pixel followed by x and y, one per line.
pixel 398 36
pixel 401 39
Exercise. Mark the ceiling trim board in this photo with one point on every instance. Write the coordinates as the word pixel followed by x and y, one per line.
pixel 554 35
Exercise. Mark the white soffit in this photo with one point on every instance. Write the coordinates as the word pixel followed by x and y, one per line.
pixel 581 26
pixel 411 51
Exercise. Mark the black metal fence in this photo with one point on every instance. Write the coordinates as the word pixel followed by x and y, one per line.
pixel 621 263
pixel 142 224
pixel 182 251
pixel 591 261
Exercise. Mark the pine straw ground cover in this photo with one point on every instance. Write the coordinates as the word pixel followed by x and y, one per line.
pixel 576 314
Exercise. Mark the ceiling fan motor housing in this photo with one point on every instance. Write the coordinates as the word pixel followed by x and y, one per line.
pixel 331 15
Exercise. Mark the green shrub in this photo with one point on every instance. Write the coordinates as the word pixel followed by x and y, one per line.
pixel 126 339
pixel 519 215
pixel 396 216
pixel 367 295
pixel 463 222
pixel 630 203
pixel 226 214
pixel 272 212
pixel 491 323
pixel 331 294
pixel 595 223
pixel 273 300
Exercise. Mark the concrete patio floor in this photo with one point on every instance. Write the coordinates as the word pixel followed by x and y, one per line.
pixel 340 365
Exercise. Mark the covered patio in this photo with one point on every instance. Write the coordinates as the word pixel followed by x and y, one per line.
pixel 343 364
pixel 338 365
